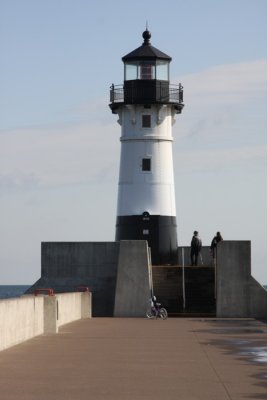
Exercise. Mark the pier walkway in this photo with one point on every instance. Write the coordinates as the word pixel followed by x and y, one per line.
pixel 140 359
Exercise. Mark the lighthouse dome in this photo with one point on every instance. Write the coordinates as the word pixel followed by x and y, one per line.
pixel 146 35
pixel 146 51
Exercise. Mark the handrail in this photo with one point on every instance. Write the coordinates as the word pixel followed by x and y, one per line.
pixel 183 280
pixel 82 288
pixel 49 291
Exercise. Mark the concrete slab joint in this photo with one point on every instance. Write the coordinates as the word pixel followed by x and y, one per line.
pixel 50 314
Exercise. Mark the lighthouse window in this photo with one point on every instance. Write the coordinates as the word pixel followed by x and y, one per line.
pixel 146 164
pixel 147 71
pixel 162 70
pixel 131 71
pixel 146 121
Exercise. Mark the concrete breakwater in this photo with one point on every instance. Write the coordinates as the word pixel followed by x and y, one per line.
pixel 29 316
pixel 138 358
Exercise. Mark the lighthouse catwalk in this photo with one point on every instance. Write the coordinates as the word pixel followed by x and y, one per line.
pixel 146 105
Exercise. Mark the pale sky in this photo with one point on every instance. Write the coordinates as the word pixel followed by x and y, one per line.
pixel 59 142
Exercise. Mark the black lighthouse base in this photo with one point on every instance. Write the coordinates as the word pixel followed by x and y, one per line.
pixel 159 231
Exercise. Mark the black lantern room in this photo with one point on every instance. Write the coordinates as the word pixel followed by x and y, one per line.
pixel 146 79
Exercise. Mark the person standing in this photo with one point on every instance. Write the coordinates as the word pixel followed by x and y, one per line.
pixel 196 245
pixel 218 238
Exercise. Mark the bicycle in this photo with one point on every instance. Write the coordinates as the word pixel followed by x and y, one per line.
pixel 158 311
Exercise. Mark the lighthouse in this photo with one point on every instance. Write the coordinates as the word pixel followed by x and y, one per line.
pixel 146 105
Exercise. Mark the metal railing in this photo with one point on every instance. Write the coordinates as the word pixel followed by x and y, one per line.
pixel 48 291
pixel 174 95
pixel 116 94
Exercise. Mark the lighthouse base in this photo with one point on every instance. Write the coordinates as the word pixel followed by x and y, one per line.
pixel 159 231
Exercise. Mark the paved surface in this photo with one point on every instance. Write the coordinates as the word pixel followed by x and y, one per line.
pixel 132 359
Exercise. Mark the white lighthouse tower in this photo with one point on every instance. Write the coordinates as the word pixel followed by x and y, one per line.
pixel 146 105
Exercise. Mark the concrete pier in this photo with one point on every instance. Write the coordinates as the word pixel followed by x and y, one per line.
pixel 120 277
pixel 140 359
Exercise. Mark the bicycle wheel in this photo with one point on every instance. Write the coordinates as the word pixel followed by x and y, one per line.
pixel 163 313
pixel 149 313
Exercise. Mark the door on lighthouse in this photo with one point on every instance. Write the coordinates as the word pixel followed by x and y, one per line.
pixel 149 232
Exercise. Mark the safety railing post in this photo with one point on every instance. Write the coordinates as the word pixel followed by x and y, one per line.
pixel 183 278
pixel 215 273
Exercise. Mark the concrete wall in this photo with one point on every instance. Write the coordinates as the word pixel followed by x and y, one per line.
pixel 20 320
pixel 67 265
pixel 64 308
pixel 29 316
pixel 133 280
pixel 238 293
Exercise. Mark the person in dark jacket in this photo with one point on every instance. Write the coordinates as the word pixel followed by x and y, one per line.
pixel 196 245
pixel 218 238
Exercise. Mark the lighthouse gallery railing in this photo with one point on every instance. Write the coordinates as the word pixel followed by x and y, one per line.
pixel 120 94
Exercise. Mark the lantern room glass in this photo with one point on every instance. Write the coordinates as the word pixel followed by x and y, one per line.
pixel 130 71
pixel 162 70
pixel 146 70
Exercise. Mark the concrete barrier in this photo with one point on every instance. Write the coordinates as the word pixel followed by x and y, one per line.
pixel 64 308
pixel 238 293
pixel 133 279
pixel 28 316
pixel 67 265
pixel 20 319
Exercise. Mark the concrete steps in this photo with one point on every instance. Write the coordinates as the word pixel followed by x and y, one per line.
pixel 199 289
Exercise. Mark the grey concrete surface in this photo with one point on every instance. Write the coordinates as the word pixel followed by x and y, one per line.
pixel 67 265
pixel 140 359
pixel 132 288
pixel 238 293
